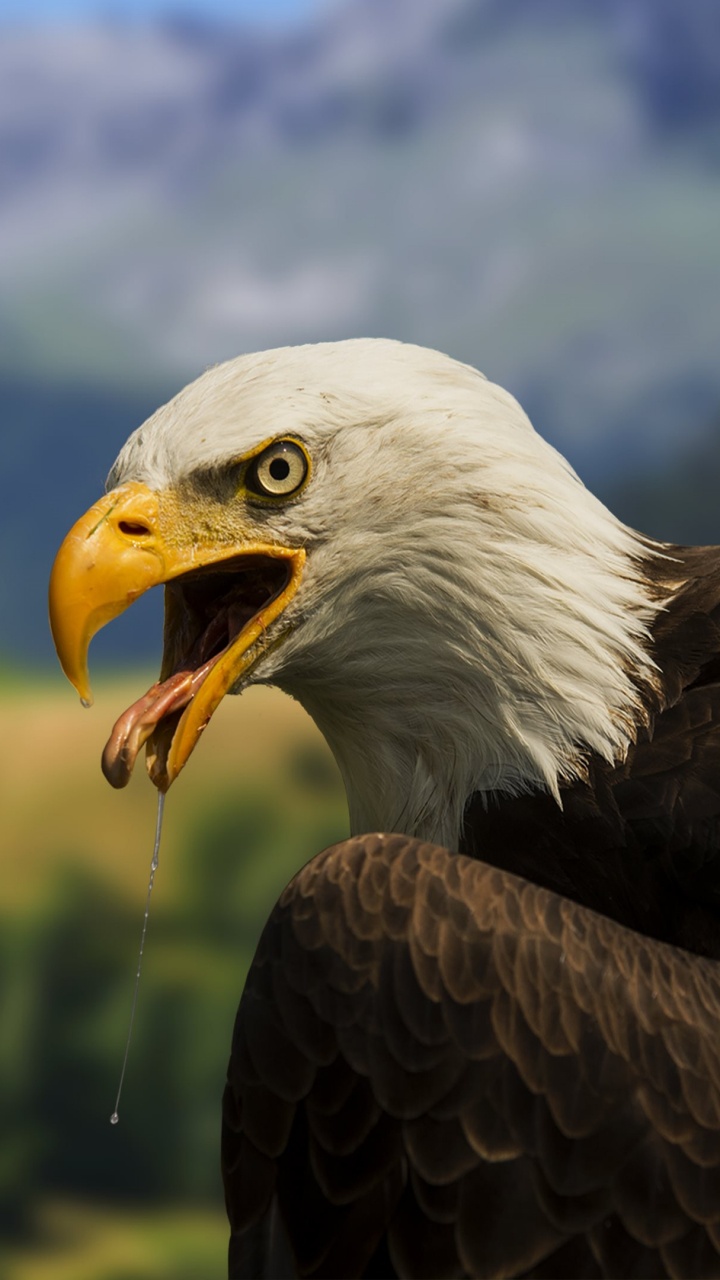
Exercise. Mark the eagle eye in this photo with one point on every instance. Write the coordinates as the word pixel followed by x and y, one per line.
pixel 279 470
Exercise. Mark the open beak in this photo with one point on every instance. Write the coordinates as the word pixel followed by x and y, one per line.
pixel 220 600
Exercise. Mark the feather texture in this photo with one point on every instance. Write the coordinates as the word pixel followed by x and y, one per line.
pixel 450 549
pixel 492 1080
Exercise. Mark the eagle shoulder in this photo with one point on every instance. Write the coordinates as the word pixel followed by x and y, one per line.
pixel 430 1051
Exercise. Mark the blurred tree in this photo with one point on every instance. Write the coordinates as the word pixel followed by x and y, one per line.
pixel 677 503
pixel 66 978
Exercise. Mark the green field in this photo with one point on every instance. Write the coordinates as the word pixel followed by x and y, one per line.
pixel 78 1197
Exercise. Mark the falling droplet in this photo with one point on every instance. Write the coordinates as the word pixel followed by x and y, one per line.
pixel 153 868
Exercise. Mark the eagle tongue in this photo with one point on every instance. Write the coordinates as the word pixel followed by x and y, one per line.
pixel 135 725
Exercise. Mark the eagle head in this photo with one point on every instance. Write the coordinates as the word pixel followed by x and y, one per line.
pixel 378 530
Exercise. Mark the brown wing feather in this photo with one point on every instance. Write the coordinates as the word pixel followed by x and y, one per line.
pixel 440 1069
pixel 639 841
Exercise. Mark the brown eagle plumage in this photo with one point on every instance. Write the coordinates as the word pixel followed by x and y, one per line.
pixel 486 1044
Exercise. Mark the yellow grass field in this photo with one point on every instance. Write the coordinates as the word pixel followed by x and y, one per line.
pixel 89 1242
pixel 57 806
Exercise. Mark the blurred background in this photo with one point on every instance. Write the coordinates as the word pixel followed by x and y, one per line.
pixel 530 185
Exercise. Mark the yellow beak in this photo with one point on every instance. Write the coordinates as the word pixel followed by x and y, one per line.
pixel 117 551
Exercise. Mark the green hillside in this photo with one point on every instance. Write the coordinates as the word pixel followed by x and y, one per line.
pixel 78 1197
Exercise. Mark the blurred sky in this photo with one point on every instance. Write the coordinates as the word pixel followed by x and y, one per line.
pixel 258 11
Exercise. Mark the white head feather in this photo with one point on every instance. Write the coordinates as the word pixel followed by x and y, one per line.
pixel 471 618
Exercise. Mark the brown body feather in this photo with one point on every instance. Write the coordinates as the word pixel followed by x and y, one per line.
pixel 443 1067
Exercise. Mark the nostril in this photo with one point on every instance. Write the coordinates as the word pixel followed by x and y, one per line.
pixel 134 528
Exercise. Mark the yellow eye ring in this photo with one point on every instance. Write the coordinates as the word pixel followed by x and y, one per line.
pixel 279 471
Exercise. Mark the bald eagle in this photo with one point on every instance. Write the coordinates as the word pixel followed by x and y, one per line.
pixel 486 1042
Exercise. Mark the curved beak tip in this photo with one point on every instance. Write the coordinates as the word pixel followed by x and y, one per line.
pixel 99 570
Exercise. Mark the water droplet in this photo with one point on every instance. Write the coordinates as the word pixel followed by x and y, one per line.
pixel 153 868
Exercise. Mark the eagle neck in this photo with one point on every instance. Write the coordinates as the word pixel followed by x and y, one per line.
pixel 477 696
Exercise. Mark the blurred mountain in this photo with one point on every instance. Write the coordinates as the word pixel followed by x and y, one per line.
pixel 531 185
pixel 673 52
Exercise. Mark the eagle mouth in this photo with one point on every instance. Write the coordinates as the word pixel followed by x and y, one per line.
pixel 215 631
pixel 223 607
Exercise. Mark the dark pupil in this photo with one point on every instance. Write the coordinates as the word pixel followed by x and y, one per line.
pixel 279 468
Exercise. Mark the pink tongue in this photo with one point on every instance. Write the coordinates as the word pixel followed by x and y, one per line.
pixel 136 724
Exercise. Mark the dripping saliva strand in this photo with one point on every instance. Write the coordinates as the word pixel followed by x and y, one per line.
pixel 153 868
